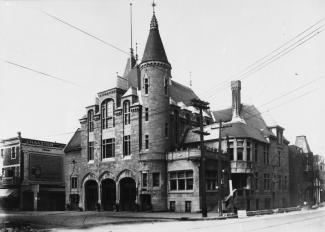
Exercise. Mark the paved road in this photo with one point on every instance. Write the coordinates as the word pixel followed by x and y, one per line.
pixel 302 221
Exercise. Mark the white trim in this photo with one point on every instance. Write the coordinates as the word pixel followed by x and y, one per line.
pixel 13 165
pixel 110 159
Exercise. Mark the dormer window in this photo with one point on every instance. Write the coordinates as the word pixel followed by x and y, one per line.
pixel 107 114
pixel 90 121
pixel 126 112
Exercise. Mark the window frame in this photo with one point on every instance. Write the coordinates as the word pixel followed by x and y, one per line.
pixel 13 153
pixel 126 145
pixel 146 85
pixel 155 179
pixel 108 144
pixel 91 151
pixel 183 179
pixel 146 114
pixel 74 182
pixel 105 117
pixel 90 120
pixel 146 142
pixel 126 112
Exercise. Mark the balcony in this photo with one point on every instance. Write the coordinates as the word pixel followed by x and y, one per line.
pixel 240 166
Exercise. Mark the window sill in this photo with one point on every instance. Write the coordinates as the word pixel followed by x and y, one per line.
pixel 110 159
pixel 91 161
pixel 181 191
pixel 127 157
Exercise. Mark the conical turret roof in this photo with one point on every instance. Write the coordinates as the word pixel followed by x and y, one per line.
pixel 154 50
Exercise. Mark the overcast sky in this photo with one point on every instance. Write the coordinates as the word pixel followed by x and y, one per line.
pixel 215 40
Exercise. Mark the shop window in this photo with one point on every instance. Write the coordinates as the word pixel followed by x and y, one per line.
pixel 108 148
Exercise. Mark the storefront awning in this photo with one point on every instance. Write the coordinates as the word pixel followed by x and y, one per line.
pixel 7 192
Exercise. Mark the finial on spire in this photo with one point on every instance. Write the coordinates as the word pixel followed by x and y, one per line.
pixel 154 23
pixel 153 6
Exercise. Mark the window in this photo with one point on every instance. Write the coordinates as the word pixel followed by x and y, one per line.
pixel 280 136
pixel 231 150
pixel 9 172
pixel 108 148
pixel 74 182
pixel 144 180
pixel 90 151
pixel 181 180
pixel 126 112
pixel 240 149
pixel 285 182
pixel 13 153
pixel 267 203
pixel 266 154
pixel 172 206
pixel 188 207
pixel 166 129
pixel 1 152
pixel 256 181
pixel 266 181
pixel 166 86
pixel 279 158
pixel 255 152
pixel 126 145
pixel 257 204
pixel 147 114
pixel 108 114
pixel 280 182
pixel 156 179
pixel 146 141
pixel 90 120
pixel 211 180
pixel 248 149
pixel 146 85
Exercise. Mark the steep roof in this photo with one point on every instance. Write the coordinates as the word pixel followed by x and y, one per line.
pixel 181 93
pixel 237 130
pixel 74 143
pixel 249 113
pixel 154 50
pixel 301 141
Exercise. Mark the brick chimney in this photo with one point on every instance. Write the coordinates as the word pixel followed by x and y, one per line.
pixel 236 101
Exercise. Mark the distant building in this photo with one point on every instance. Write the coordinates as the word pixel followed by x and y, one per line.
pixel 319 178
pixel 301 172
pixel 32 174
pixel 258 154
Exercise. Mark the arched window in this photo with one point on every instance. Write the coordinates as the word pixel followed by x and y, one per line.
pixel 90 120
pixel 107 114
pixel 126 112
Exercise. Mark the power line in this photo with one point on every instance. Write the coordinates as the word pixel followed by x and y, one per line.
pixel 86 33
pixel 281 54
pixel 269 54
pixel 49 76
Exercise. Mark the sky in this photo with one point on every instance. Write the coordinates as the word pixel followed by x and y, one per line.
pixel 210 42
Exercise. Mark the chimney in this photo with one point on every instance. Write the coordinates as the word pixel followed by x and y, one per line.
pixel 236 101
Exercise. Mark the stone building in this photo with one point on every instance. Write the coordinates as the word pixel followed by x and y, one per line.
pixel 123 156
pixel 301 172
pixel 258 154
pixel 32 174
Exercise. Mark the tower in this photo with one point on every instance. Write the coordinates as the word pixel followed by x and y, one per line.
pixel 155 81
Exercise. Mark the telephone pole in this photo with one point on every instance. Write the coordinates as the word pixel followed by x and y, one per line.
pixel 202 106
pixel 220 127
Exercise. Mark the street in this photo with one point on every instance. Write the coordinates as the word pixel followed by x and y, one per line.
pixel 307 221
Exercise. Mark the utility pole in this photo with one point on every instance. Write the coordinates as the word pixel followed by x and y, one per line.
pixel 220 165
pixel 202 106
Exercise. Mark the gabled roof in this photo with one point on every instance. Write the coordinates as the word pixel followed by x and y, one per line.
pixel 74 143
pixel 154 50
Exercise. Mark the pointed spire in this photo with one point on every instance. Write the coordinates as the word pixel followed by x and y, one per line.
pixel 154 50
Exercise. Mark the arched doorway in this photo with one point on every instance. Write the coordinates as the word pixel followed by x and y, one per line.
pixel 91 195
pixel 108 194
pixel 127 193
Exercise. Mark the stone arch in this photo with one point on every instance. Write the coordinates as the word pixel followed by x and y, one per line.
pixel 88 177
pixel 106 175
pixel 126 173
